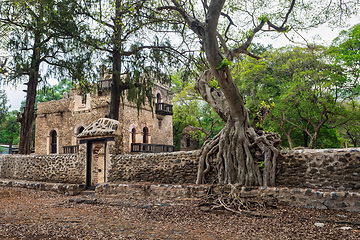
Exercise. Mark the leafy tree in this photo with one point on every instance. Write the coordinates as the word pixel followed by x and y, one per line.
pixel 302 90
pixel 211 23
pixel 191 110
pixel 37 40
pixel 3 106
pixel 10 130
pixel 346 52
pixel 123 33
pixel 54 92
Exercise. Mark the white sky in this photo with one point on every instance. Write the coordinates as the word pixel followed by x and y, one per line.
pixel 15 94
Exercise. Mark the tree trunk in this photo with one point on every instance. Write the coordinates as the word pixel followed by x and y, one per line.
pixel 234 147
pixel 305 139
pixel 28 116
pixel 116 75
pixel 11 146
pixel 231 154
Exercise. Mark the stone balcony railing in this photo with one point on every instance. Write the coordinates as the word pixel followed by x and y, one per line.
pixel 163 109
pixel 70 149
pixel 151 148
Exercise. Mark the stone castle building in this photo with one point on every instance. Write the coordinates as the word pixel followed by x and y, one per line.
pixel 59 122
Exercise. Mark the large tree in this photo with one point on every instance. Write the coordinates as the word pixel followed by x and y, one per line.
pixel 37 42
pixel 233 148
pixel 127 36
pixel 301 86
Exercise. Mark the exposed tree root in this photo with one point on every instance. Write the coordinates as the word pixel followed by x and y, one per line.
pixel 235 202
pixel 247 158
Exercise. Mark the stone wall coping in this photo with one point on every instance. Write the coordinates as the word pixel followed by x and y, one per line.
pixel 177 153
pixel 329 150
pixel 37 155
pixel 67 189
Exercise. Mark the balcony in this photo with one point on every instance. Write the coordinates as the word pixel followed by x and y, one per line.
pixel 151 148
pixel 163 109
pixel 71 149
pixel 104 86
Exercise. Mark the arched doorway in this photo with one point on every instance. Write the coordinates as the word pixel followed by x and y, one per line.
pixel 133 135
pixel 145 135
pixel 53 147
pixel 80 130
pixel 158 98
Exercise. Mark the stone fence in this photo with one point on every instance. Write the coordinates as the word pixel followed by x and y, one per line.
pixel 316 169
pixel 65 168
pixel 322 168
pixel 300 197
pixel 175 167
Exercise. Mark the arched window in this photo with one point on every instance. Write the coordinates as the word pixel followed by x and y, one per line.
pixel 80 130
pixel 145 135
pixel 188 142
pixel 53 142
pixel 133 135
pixel 158 98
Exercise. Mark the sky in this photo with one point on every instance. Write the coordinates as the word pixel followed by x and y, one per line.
pixel 15 94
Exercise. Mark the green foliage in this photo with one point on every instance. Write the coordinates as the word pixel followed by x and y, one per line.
pixel 54 92
pixel 300 88
pixel 263 18
pixel 346 51
pixel 224 63
pixel 3 106
pixel 191 110
pixel 10 129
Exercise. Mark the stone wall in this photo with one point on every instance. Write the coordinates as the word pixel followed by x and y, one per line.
pixel 65 168
pixel 323 168
pixel 300 197
pixel 316 169
pixel 176 167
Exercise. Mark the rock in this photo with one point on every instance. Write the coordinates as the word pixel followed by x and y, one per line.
pixel 204 209
pixel 346 228
pixel 79 200
pixel 319 224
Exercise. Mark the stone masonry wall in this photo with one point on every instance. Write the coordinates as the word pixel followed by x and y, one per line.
pixel 324 168
pixel 65 168
pixel 176 167
pixel 300 197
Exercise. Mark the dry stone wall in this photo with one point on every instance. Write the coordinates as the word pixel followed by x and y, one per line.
pixel 323 168
pixel 300 197
pixel 65 168
pixel 176 167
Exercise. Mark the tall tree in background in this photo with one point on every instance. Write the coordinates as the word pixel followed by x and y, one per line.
pixel 35 38
pixel 10 130
pixel 301 86
pixel 123 33
pixel 346 52
pixel 3 105
pixel 233 148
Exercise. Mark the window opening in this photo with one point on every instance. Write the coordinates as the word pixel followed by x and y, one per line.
pixel 188 142
pixel 80 130
pixel 83 100
pixel 53 142
pixel 133 135
pixel 145 135
pixel 158 98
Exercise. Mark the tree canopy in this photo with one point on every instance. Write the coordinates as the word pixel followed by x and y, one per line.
pixel 37 42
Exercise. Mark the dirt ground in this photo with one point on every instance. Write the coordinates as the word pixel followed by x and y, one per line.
pixel 31 214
